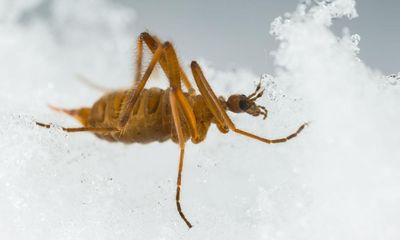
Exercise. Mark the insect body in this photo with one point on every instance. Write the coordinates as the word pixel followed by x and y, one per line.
pixel 151 118
pixel 141 115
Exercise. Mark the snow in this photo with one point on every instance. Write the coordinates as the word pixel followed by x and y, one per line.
pixel 338 180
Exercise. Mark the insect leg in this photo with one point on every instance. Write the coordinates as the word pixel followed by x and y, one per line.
pixel 172 70
pixel 178 127
pixel 271 141
pixel 137 89
pixel 211 100
pixel 152 43
pixel 208 93
pixel 80 129
pixel 139 59
pixel 178 99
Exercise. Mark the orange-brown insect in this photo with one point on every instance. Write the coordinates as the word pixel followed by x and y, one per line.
pixel 140 115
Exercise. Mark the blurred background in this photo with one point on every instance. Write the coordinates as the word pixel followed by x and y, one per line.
pixel 234 33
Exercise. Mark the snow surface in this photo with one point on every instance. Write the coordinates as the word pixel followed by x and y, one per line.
pixel 340 179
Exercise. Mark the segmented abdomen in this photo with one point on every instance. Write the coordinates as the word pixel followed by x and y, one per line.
pixel 151 118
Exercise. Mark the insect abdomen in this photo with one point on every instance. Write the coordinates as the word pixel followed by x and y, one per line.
pixel 151 118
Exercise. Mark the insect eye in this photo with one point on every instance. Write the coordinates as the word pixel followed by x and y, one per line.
pixel 243 105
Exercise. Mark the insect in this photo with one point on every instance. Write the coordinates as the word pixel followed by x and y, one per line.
pixel 140 115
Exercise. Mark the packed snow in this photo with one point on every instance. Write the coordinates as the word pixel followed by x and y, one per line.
pixel 339 179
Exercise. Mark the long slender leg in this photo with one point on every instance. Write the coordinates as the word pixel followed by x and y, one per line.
pixel 178 127
pixel 208 93
pixel 80 129
pixel 165 53
pixel 137 89
pixel 178 100
pixel 209 97
pixel 172 70
pixel 139 59
pixel 152 44
pixel 81 115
